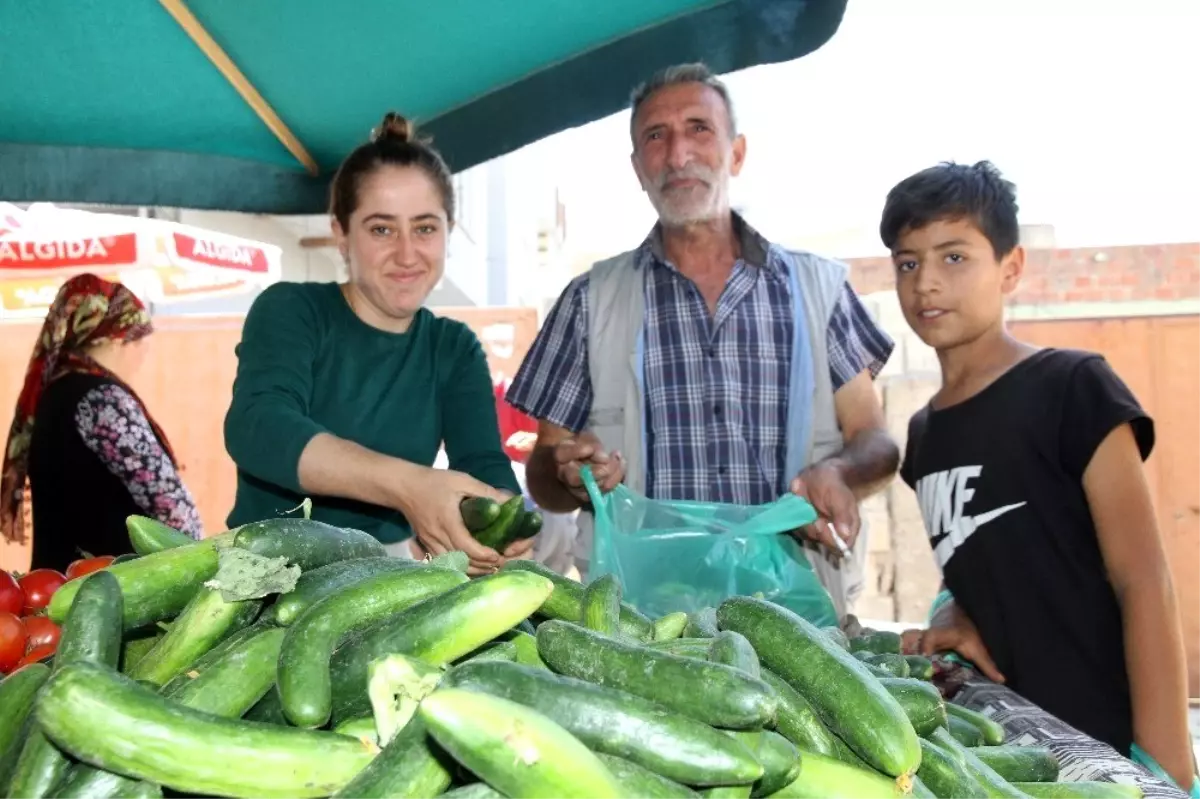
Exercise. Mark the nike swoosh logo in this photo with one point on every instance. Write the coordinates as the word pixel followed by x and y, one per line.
pixel 955 537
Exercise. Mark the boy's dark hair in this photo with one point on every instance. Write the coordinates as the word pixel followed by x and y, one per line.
pixel 954 191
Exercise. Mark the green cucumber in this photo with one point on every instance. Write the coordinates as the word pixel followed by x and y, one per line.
pixel 126 556
pixel 362 728
pixel 476 790
pixel 895 665
pixel 396 684
pixel 942 737
pixel 235 681
pixel 497 534
pixel 796 719
pixel 150 535
pixel 945 775
pixel 964 731
pixel 616 723
pixel 670 626
pixel 847 755
pixel 728 792
pixel 135 648
pixel 847 697
pixel 231 641
pixel 439 631
pixel 838 636
pixel 920 668
pixel 514 749
pixel 922 703
pixel 734 650
pixel 17 694
pixel 879 642
pixel 1020 763
pixel 566 602
pixel 102 717
pixel 478 513
pixel 993 733
pixel 88 782
pixel 527 525
pixel 454 560
pixel 496 650
pixel 701 624
pixel 1080 790
pixel 733 699
pixel 155 586
pixel 268 710
pixel 303 676
pixel 822 777
pixel 639 781
pixel 920 790
pixel 779 757
pixel 685 647
pixel 601 605
pixel 205 620
pixel 306 543
pixel 526 650
pixel 326 580
pixel 994 786
pixel 407 768
pixel 91 634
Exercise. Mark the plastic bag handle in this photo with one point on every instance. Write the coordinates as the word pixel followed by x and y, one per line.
pixel 590 485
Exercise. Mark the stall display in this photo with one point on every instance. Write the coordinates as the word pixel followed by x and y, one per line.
pixel 291 658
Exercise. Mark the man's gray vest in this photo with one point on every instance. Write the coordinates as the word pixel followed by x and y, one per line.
pixel 616 308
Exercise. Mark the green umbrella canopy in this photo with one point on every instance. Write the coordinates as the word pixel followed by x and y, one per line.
pixel 117 101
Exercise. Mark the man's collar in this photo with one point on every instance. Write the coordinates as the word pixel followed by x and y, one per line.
pixel 754 246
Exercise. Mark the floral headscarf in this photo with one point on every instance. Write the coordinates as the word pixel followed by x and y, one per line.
pixel 86 312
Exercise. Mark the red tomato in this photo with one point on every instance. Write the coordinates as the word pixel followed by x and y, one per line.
pixel 41 632
pixel 12 642
pixel 38 586
pixel 87 565
pixel 12 599
pixel 36 654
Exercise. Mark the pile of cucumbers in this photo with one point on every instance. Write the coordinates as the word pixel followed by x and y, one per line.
pixel 380 677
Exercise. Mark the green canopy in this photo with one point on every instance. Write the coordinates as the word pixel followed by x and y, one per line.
pixel 115 101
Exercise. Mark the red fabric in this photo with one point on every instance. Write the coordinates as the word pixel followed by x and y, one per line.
pixel 86 312
pixel 512 421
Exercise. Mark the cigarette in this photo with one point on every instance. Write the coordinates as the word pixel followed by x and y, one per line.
pixel 838 539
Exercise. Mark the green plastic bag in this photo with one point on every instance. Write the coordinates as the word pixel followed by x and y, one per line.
pixel 683 556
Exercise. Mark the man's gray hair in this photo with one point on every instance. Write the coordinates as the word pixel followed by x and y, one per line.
pixel 674 76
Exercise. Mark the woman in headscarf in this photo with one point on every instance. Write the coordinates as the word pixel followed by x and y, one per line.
pixel 91 451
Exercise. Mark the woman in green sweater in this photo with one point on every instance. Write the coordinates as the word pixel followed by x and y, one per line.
pixel 344 393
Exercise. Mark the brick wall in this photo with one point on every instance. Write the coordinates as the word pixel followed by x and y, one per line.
pixel 1160 272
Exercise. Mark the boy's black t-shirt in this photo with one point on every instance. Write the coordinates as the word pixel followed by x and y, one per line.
pixel 999 479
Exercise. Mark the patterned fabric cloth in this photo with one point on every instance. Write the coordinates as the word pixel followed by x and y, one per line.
pixel 87 311
pixel 716 385
pixel 113 425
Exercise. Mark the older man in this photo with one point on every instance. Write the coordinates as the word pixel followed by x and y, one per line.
pixel 709 364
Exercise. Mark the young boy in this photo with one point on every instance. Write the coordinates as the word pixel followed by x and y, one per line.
pixel 1027 465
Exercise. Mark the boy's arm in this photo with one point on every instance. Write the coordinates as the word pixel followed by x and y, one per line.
pixel 1119 498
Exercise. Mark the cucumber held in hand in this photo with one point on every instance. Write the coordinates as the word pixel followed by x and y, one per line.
pixel 617 723
pixel 101 717
pixel 304 683
pixel 566 602
pixel 731 699
pixel 497 534
pixel 847 697
pixel 306 543
pixel 478 513
pixel 516 750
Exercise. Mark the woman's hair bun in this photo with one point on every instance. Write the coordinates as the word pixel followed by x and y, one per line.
pixel 394 128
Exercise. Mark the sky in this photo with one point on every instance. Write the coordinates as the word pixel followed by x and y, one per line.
pixel 1092 107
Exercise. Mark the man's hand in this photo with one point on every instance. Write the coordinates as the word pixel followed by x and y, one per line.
pixel 951 630
pixel 572 454
pixel 824 487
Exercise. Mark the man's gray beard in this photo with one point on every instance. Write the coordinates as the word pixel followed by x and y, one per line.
pixel 693 212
